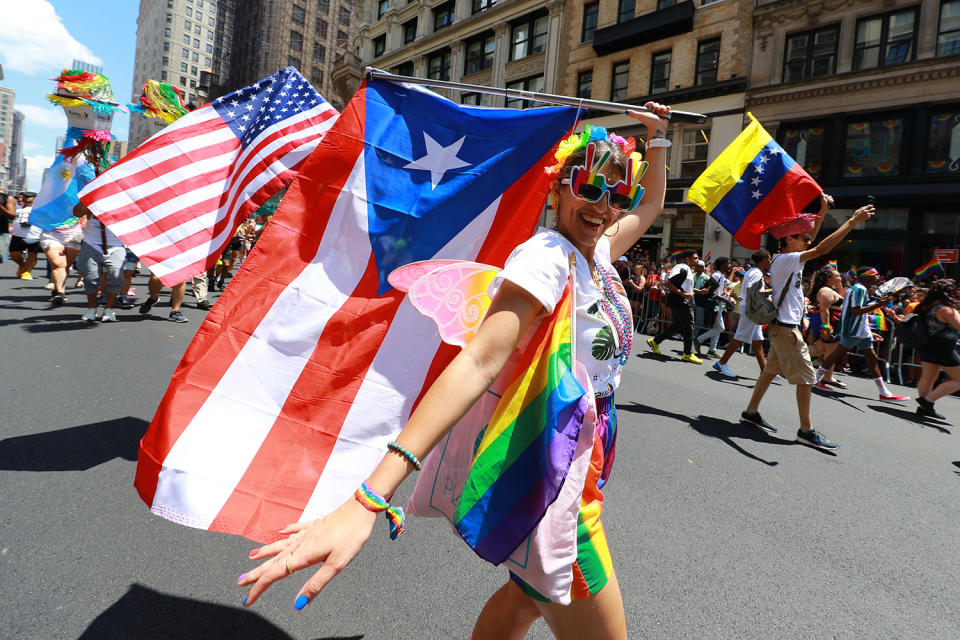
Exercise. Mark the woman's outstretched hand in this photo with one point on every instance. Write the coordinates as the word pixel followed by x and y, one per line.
pixel 332 541
pixel 657 118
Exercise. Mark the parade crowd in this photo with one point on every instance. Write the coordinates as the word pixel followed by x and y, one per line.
pixel 84 255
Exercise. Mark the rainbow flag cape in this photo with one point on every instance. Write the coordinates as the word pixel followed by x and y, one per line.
pixel 526 450
pixel 927 269
pixel 753 185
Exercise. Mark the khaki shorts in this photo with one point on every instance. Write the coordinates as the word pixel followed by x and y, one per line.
pixel 789 355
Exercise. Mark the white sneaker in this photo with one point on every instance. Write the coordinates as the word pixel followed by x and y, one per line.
pixel 724 370
pixel 108 316
pixel 49 286
pixel 90 315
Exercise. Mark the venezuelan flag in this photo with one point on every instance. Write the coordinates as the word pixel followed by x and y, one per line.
pixel 928 269
pixel 752 185
pixel 525 452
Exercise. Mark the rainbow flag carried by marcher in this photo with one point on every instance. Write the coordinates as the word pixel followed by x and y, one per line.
pixel 527 448
pixel 676 254
pixel 929 268
pixel 879 320
pixel 753 185
pixel 833 265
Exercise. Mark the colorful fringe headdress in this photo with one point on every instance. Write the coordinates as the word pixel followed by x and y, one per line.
pixel 591 133
pixel 77 88
pixel 160 100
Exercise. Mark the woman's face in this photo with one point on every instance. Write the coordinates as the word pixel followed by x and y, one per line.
pixel 834 280
pixel 583 223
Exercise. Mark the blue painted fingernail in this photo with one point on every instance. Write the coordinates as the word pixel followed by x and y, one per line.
pixel 240 579
pixel 300 602
pixel 244 600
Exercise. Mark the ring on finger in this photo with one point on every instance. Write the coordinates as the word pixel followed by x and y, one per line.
pixel 287 565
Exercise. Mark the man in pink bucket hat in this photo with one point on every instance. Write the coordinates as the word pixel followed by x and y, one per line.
pixel 789 356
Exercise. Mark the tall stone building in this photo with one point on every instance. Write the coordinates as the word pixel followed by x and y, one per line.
pixel 175 44
pixel 504 43
pixel 307 34
pixel 693 56
pixel 865 95
pixel 7 115
pixel 17 176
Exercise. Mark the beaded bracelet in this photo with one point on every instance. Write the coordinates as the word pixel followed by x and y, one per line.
pixel 414 460
pixel 373 501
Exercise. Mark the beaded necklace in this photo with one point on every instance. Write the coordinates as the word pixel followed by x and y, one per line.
pixel 615 310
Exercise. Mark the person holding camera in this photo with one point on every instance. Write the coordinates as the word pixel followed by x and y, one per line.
pixel 855 331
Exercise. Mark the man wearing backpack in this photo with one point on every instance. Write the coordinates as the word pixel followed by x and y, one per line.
pixel 747 329
pixel 855 332
pixel 789 356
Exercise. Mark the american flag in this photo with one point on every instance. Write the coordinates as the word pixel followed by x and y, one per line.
pixel 177 200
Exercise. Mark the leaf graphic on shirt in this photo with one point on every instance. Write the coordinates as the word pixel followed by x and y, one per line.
pixel 603 346
pixel 594 310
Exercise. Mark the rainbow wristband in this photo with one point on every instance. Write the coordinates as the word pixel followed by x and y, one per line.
pixel 414 460
pixel 373 501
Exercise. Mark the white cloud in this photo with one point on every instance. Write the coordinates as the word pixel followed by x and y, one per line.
pixel 35 166
pixel 50 117
pixel 29 146
pixel 35 40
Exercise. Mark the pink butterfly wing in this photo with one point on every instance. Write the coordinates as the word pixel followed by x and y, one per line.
pixel 402 277
pixel 454 296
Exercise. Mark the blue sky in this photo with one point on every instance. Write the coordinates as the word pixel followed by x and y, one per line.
pixel 41 37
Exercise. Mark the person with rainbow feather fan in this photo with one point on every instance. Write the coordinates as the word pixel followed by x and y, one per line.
pixel 528 403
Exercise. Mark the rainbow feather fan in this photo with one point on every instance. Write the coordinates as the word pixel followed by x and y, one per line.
pixel 160 100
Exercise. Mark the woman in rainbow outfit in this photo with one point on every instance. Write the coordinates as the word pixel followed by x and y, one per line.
pixel 605 196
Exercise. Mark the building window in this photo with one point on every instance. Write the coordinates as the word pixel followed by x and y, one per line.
pixel 167 32
pixel 409 31
pixel 534 84
pixel 660 72
pixel 296 41
pixel 443 16
pixel 293 61
pixel 626 10
pixel 169 18
pixel 341 38
pixel 873 148
pixel 343 16
pixel 590 12
pixel 195 56
pixel 944 131
pixel 186 53
pixel 206 60
pixel 806 145
pixel 321 28
pixel 166 61
pixel 811 54
pixel 379 45
pixel 619 81
pixel 196 43
pixel 664 4
pixel 211 21
pixel 187 25
pixel 193 83
pixel 189 12
pixel 209 35
pixel 708 61
pixel 585 84
pixel 166 47
pixel 529 36
pixel 885 40
pixel 323 6
pixel 319 52
pixel 183 80
pixel 477 99
pixel 948 36
pixel 479 53
pixel 197 29
pixel 163 76
pixel 317 77
pixel 693 161
pixel 297 14
pixel 183 67
pixel 193 70
pixel 209 48
pixel 169 4
pixel 438 65
pixel 480 5
pixel 382 6
pixel 404 68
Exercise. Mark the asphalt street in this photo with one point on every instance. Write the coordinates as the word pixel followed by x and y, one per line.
pixel 717 529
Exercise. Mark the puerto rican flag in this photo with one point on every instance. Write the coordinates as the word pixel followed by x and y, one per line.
pixel 310 362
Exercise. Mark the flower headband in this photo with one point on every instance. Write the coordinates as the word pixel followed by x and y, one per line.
pixel 590 134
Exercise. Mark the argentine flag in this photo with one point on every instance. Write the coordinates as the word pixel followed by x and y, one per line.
pixel 58 193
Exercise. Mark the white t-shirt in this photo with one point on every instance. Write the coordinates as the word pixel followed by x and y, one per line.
pixel 749 280
pixel 687 286
pixel 24 229
pixel 540 266
pixel 93 237
pixel 787 270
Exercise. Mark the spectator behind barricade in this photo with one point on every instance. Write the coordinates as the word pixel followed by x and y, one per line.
pixel 654 296
pixel 635 289
pixel 700 293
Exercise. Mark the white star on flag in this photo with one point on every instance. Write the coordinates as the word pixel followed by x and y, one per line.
pixel 758 169
pixel 755 194
pixel 763 159
pixel 774 151
pixel 438 159
pixel 755 181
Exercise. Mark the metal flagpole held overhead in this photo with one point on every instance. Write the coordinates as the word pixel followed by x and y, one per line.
pixel 600 105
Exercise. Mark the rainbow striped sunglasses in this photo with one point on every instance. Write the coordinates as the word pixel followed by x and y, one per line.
pixel 588 184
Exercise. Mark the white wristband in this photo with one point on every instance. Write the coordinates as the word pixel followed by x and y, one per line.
pixel 654 143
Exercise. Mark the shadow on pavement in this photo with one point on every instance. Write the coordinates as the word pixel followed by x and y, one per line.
pixel 898 411
pixel 74 448
pixel 719 377
pixel 838 397
pixel 956 463
pixel 147 614
pixel 723 430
